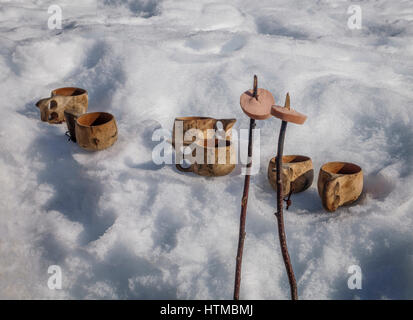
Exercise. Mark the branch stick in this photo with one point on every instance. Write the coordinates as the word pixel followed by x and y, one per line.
pixel 244 202
pixel 279 213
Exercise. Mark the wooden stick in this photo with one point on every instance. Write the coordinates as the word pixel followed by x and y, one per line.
pixel 255 88
pixel 279 213
pixel 287 101
pixel 244 202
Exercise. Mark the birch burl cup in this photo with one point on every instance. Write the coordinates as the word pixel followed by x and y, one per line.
pixel 206 128
pixel 339 183
pixel 218 158
pixel 69 98
pixel 297 173
pixel 96 130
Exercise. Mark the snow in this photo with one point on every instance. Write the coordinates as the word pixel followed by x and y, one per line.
pixel 119 226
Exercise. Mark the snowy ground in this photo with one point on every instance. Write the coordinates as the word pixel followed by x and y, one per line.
pixel 121 227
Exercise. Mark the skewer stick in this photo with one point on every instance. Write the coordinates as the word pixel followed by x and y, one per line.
pixel 279 213
pixel 244 202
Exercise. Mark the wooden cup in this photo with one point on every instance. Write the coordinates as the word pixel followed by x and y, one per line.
pixel 221 154
pixel 96 130
pixel 297 173
pixel 339 183
pixel 206 126
pixel 52 109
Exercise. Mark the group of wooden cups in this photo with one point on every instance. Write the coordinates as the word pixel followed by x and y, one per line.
pixel 92 131
pixel 339 183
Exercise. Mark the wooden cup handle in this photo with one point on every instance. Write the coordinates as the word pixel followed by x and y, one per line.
pixel 59 99
pixel 180 168
pixel 43 102
pixel 329 191
pixel 227 124
pixel 42 105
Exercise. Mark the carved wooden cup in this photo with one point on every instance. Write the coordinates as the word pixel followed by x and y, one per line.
pixel 297 173
pixel 52 109
pixel 339 183
pixel 218 159
pixel 207 128
pixel 96 130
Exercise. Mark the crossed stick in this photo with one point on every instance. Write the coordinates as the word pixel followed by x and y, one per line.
pixel 286 114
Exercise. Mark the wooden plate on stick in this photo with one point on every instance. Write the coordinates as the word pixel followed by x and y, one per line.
pixel 287 114
pixel 256 103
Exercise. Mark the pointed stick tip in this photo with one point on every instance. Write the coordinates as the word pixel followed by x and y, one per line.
pixel 255 87
pixel 287 101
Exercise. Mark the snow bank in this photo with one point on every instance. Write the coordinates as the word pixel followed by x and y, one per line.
pixel 120 226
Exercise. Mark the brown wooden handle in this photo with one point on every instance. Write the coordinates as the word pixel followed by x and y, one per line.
pixel 180 168
pixel 331 198
pixel 43 102
pixel 227 124
pixel 59 99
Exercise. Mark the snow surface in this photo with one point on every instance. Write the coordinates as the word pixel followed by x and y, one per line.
pixel 120 226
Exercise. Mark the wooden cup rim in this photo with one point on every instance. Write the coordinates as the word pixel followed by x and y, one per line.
pixel 192 118
pixel 69 91
pixel 341 168
pixel 93 117
pixel 293 158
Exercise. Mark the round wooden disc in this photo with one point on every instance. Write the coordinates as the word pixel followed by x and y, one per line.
pixel 257 109
pixel 289 115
